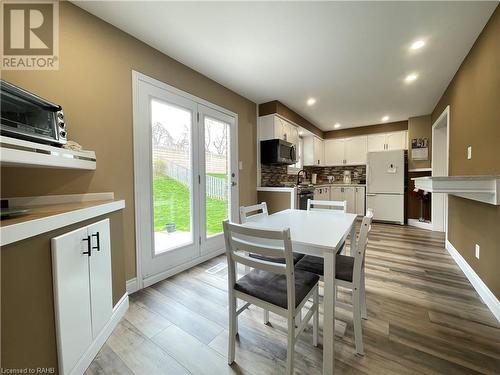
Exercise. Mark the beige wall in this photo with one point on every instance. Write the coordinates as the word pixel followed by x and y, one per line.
pixel 474 100
pixel 419 127
pixel 94 86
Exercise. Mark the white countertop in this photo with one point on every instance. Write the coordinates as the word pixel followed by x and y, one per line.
pixel 276 189
pixel 338 184
pixel 45 218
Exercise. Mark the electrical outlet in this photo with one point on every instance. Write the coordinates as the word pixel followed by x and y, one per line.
pixel 478 248
pixel 469 152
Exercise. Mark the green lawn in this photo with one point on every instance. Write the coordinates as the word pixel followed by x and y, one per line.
pixel 171 205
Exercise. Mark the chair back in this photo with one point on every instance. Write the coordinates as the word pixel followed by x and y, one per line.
pixel 258 210
pixel 241 240
pixel 359 257
pixel 327 205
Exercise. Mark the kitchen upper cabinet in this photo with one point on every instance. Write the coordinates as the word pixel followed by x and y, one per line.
pixel 334 152
pixel 81 265
pixel 275 127
pixel 355 150
pixel 345 151
pixel 360 200
pixel 313 151
pixel 376 142
pixel 396 141
pixel 387 141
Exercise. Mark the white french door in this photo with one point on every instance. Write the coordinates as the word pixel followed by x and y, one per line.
pixel 185 171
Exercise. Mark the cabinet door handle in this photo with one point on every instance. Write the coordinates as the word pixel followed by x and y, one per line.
pixel 89 247
pixel 98 247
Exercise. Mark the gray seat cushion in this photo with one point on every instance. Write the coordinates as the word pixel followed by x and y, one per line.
pixel 271 287
pixel 296 258
pixel 344 266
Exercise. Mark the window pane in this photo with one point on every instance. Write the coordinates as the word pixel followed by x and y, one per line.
pixel 172 171
pixel 217 164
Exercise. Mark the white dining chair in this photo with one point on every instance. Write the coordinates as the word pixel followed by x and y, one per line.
pixel 316 205
pixel 350 274
pixel 255 212
pixel 276 287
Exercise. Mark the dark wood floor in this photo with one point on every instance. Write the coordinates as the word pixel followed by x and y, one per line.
pixel 424 317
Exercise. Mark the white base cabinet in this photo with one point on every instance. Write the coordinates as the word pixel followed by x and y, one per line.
pixel 81 265
pixel 354 195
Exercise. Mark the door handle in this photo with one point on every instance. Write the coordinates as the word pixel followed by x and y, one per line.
pixel 89 248
pixel 233 183
pixel 98 247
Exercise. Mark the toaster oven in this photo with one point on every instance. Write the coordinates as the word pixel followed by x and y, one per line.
pixel 27 116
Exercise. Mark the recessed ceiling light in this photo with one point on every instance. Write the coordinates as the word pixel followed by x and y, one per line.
pixel 337 125
pixel 417 44
pixel 385 118
pixel 311 101
pixel 301 133
pixel 411 77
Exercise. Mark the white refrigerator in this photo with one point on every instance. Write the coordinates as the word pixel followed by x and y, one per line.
pixel 385 185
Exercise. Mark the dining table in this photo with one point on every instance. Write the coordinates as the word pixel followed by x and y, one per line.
pixel 320 233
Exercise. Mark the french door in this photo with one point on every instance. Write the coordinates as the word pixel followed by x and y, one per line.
pixel 185 168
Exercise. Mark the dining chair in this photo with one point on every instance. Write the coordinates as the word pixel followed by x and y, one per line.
pixel 350 274
pixel 255 212
pixel 276 287
pixel 328 205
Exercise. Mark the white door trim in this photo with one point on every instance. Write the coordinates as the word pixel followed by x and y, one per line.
pixel 435 171
pixel 139 150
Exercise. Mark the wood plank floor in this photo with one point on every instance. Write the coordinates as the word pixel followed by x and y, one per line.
pixel 424 317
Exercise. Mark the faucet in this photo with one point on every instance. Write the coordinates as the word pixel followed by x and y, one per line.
pixel 298 175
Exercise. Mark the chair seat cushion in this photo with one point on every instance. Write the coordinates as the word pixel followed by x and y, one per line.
pixel 344 266
pixel 271 287
pixel 296 258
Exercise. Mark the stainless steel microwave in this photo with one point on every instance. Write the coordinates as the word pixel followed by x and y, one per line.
pixel 277 152
pixel 27 116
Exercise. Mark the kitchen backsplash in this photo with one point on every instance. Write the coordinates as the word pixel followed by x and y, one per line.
pixel 272 175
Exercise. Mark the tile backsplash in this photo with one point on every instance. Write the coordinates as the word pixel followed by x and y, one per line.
pixel 277 174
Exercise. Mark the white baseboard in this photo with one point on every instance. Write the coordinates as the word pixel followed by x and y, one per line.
pixel 118 312
pixel 486 295
pixel 420 224
pixel 175 270
pixel 132 285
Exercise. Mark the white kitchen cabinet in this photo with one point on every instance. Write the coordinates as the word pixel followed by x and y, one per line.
pixel 336 193
pixel 354 195
pixel 360 200
pixel 334 151
pixel 322 193
pixel 81 264
pixel 387 141
pixel 396 140
pixel 376 142
pixel 273 126
pixel 346 151
pixel 355 150
pixel 350 198
pixel 313 151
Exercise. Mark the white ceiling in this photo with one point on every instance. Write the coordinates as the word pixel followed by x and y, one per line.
pixel 351 56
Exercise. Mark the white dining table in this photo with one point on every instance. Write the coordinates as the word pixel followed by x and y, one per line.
pixel 318 233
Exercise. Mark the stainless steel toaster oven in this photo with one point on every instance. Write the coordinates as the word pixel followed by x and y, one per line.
pixel 30 117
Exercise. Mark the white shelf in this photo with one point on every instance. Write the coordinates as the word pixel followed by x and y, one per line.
pixel 21 153
pixel 484 189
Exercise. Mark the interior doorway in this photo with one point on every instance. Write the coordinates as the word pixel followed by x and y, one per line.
pixel 440 167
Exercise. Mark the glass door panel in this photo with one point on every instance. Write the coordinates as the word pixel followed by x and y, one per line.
pixel 171 130
pixel 217 174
